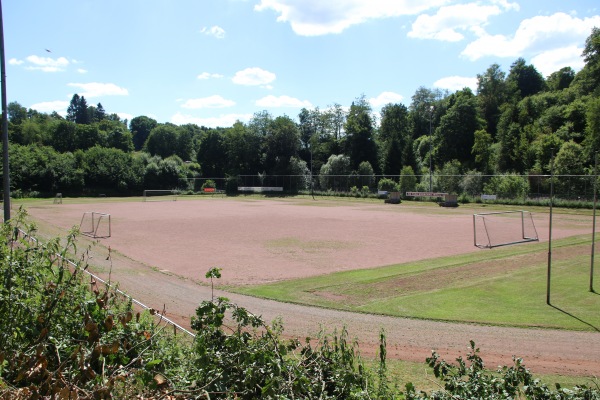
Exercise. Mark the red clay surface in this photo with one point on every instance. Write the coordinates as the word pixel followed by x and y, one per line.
pixel 257 241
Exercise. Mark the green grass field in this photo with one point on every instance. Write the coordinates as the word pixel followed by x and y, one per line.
pixel 502 286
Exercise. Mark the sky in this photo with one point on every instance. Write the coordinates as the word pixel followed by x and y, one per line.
pixel 213 62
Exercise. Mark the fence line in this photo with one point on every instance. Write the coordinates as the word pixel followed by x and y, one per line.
pixel 159 316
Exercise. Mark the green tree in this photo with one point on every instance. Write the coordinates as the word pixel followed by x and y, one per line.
pixel 570 161
pixel 360 140
pixel 508 186
pixel 108 169
pixel 242 150
pixel 78 110
pixel 408 180
pixel 115 134
pixel 395 133
pixel 561 79
pixel 455 136
pixel 592 133
pixel 524 80
pixel 140 128
pixel 334 173
pixel 162 140
pixel 63 136
pixel 366 175
pixel 87 136
pixel 491 94
pixel 591 55
pixel 482 150
pixel 472 183
pixel 281 143
pixel 99 113
pixel 16 113
pixel 449 177
pixel 212 153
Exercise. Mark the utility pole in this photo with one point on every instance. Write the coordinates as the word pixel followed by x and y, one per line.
pixel 5 165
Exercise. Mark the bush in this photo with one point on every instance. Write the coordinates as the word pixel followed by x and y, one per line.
pixel 388 185
pixel 509 186
pixel 208 184
pixel 408 180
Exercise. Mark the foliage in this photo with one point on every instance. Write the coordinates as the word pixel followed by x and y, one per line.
pixel 408 180
pixel 469 379
pixel 59 338
pixel 334 173
pixel 507 186
pixel 388 185
pixel 449 177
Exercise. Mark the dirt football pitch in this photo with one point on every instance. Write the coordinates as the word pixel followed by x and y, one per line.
pixel 160 252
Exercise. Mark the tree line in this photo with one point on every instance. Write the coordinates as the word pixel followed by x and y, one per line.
pixel 514 123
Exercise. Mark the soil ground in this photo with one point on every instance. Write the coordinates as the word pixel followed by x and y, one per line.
pixel 160 251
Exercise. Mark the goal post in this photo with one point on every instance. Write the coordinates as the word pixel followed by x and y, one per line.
pixel 503 228
pixel 160 195
pixel 95 224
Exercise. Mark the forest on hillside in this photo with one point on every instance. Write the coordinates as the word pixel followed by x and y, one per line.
pixel 515 123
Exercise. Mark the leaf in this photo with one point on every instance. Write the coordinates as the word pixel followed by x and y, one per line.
pixel 160 379
pixel 109 323
pixel 153 363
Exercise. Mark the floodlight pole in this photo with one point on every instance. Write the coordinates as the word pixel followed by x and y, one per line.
pixel 312 185
pixel 5 171
pixel 430 151
pixel 594 223
pixel 550 228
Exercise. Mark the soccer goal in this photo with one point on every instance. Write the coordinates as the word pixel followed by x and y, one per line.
pixel 95 224
pixel 160 195
pixel 503 228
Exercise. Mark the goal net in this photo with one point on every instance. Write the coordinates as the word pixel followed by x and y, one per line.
pixel 503 228
pixel 95 224
pixel 160 195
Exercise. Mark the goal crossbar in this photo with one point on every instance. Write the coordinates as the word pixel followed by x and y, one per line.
pixel 160 195
pixel 503 228
pixel 95 224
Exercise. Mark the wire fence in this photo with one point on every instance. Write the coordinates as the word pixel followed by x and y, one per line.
pixel 504 186
pixel 95 280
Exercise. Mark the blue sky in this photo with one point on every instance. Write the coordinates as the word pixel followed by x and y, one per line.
pixel 212 62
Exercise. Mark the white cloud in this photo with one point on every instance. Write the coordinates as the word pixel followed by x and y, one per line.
pixel 14 61
pixel 319 17
pixel 215 101
pixel 208 75
pixel 448 21
pixel 46 64
pixel 385 98
pixel 553 60
pixel 82 71
pixel 534 36
pixel 454 83
pixel 225 120
pixel 49 106
pixel 214 31
pixel 253 77
pixel 96 89
pixel 124 116
pixel 283 101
